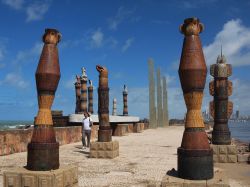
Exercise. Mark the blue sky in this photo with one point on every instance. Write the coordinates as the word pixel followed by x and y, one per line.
pixel 121 35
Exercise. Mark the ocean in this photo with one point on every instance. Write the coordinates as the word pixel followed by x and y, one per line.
pixel 11 124
pixel 239 130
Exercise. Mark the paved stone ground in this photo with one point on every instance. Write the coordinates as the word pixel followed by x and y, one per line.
pixel 144 158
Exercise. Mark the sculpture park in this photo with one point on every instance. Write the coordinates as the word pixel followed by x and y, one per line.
pixel 155 107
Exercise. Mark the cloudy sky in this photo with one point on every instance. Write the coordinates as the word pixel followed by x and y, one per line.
pixel 121 35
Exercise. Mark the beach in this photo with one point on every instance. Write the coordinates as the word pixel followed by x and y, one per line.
pixel 144 159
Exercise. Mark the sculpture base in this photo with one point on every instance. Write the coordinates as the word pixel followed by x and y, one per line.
pixel 120 130
pixel 221 137
pixel 224 153
pixel 104 149
pixel 138 127
pixel 65 176
pixel 43 156
pixel 195 164
pixel 218 181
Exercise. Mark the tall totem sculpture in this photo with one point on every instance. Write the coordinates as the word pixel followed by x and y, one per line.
pixel 84 79
pixel 114 107
pixel 43 150
pixel 78 94
pixel 125 100
pixel 195 157
pixel 90 97
pixel 221 108
pixel 104 147
pixel 105 132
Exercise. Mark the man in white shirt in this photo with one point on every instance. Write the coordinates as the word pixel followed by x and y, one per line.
pixel 86 129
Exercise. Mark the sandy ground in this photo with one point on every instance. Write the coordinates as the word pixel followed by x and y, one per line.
pixel 144 158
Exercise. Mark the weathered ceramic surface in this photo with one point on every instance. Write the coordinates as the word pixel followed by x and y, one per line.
pixel 48 69
pixel 195 158
pixel 125 101
pixel 105 132
pixel 221 108
pixel 90 98
pixel 84 89
pixel 43 150
pixel 78 93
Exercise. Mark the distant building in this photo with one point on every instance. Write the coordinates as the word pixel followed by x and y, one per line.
pixel 237 114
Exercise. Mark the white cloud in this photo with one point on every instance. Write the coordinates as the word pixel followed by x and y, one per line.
pixel 14 79
pixel 112 42
pixel 241 90
pixel 97 38
pixel 235 41
pixel 170 79
pixel 36 11
pixel 27 55
pixel 15 4
pixel 127 44
pixel 120 16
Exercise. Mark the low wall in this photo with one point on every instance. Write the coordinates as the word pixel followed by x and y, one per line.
pixel 14 141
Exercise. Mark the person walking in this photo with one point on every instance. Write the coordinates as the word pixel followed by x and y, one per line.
pixel 86 129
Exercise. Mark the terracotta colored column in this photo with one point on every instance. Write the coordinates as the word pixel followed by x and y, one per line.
pixel 221 88
pixel 78 94
pixel 125 101
pixel 195 157
pixel 84 79
pixel 90 97
pixel 152 110
pixel 43 150
pixel 105 132
pixel 114 107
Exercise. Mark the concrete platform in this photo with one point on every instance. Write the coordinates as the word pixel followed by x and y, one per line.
pixel 172 180
pixel 124 129
pixel 104 149
pixel 120 130
pixel 138 127
pixel 224 153
pixel 77 118
pixel 243 158
pixel 65 176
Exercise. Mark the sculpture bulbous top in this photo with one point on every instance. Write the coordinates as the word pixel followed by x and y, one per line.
pixel 192 69
pixel 51 36
pixel 84 74
pixel 103 76
pixel 48 69
pixel 91 83
pixel 102 70
pixel 78 80
pixel 191 26
pixel 221 69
